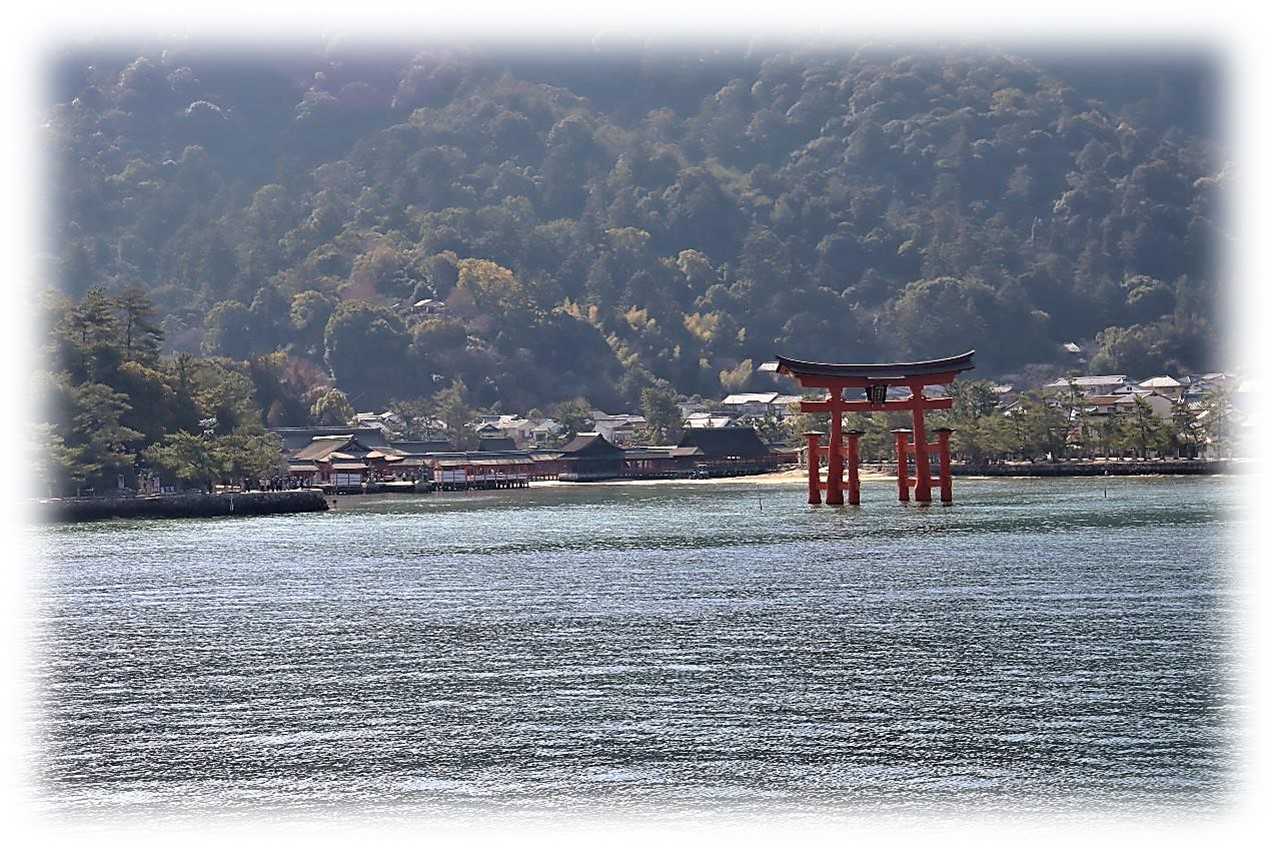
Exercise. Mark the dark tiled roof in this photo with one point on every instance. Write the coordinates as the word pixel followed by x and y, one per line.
pixel 321 448
pixel 295 439
pixel 724 442
pixel 591 445
pixel 496 444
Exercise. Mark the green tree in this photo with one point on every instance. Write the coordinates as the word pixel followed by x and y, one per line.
pixel 225 395
pixel 331 407
pixel 796 424
pixel 663 416
pixel 1109 434
pixel 770 428
pixel 230 331
pixel 1041 428
pixel 575 417
pixel 451 406
pixel 1074 406
pixel 140 328
pixel 92 331
pixel 1218 416
pixel 972 399
pixel 366 347
pixel 55 462
pixel 494 289
pixel 1187 431
pixel 1143 430
pixel 736 379
pixel 308 315
pixel 418 418
pixel 251 456
pixel 192 458
pixel 99 436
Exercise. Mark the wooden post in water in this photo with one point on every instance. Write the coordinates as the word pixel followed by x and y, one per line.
pixel 901 449
pixel 812 466
pixel 945 465
pixel 920 444
pixel 835 408
pixel 852 465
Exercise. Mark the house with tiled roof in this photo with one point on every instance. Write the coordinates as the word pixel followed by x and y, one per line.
pixel 705 419
pixel 1165 386
pixel 591 457
pixel 1087 384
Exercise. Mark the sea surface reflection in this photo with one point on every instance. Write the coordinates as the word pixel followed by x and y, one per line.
pixel 674 651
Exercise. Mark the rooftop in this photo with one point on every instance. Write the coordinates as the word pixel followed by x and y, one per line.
pixel 1088 381
pixel 1162 382
pixel 750 398
pixel 724 442
pixel 871 371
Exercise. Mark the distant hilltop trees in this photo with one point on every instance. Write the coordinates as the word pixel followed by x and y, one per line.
pixel 538 230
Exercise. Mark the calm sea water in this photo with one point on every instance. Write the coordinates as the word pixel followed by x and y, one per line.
pixel 679 651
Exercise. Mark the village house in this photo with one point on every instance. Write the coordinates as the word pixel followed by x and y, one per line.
pixel 619 429
pixel 1103 405
pixel 1161 406
pixel 488 431
pixel 591 457
pixel 1166 386
pixel 689 407
pixel 704 419
pixel 388 422
pixel 526 432
pixel 759 404
pixel 755 404
pixel 726 451
pixel 1088 384
pixel 704 451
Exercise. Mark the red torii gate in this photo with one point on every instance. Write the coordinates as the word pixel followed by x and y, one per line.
pixel 874 379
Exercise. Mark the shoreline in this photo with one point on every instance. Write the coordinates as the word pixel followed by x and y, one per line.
pixel 1077 469
pixel 260 503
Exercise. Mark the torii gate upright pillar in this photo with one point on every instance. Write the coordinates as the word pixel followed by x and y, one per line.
pixel 812 466
pixel 945 464
pixel 901 458
pixel 852 465
pixel 835 482
pixel 920 448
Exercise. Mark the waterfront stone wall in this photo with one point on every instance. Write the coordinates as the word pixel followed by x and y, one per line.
pixel 174 506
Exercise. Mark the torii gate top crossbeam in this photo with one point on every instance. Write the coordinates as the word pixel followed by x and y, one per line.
pixel 810 373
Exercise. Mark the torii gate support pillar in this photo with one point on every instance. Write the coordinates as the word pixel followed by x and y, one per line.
pixel 901 452
pixel 852 466
pixel 835 402
pixel 920 445
pixel 945 464
pixel 812 466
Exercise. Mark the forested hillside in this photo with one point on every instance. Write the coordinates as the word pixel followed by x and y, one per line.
pixel 594 224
